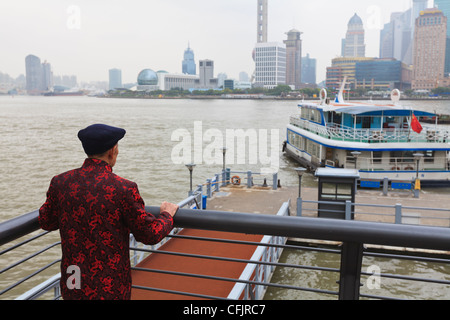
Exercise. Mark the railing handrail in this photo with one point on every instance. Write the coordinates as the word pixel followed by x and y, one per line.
pixel 424 237
pixel 18 227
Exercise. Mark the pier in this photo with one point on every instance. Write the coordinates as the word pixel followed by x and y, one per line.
pixel 229 239
pixel 204 278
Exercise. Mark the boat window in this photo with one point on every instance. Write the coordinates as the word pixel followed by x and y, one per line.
pixel 377 156
pixel 429 156
pixel 401 156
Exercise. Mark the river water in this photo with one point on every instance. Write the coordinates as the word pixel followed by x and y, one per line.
pixel 39 140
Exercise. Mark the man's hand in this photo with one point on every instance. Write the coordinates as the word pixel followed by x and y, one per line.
pixel 168 207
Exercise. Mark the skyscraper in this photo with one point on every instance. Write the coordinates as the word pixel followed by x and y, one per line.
pixel 188 64
pixel 34 74
pixel 115 79
pixel 270 61
pixel 444 6
pixel 354 46
pixel 397 36
pixel 206 70
pixel 262 17
pixel 309 70
pixel 293 58
pixel 429 49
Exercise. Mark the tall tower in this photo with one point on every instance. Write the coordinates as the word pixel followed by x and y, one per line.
pixel 115 79
pixel 354 41
pixel 293 58
pixel 188 64
pixel 262 21
pixel 444 6
pixel 429 49
pixel 34 75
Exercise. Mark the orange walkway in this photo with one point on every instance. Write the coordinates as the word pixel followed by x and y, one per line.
pixel 201 266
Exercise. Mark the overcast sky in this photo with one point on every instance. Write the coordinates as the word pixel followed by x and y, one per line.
pixel 86 38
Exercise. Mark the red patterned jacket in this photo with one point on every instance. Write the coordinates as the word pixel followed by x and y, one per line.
pixel 95 211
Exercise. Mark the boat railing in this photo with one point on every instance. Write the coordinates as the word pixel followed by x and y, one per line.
pixel 430 134
pixel 399 164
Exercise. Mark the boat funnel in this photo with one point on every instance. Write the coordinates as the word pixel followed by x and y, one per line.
pixel 395 96
pixel 340 96
pixel 323 96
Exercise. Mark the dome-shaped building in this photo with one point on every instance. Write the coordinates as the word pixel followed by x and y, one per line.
pixel 147 77
pixel 355 20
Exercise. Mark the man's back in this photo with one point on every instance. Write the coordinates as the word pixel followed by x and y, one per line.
pixel 95 210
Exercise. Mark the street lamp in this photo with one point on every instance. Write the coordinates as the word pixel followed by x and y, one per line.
pixel 355 155
pixel 224 151
pixel 191 168
pixel 417 157
pixel 300 171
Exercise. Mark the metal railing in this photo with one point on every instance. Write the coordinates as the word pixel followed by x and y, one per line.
pixel 397 213
pixel 354 236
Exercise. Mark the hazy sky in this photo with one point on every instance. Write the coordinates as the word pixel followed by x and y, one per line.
pixel 88 37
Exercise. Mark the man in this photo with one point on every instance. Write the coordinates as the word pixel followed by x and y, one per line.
pixel 95 211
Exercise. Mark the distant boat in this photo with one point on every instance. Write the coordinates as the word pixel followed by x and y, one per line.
pixel 64 93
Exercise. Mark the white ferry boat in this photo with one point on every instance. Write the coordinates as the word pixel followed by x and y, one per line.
pixel 381 140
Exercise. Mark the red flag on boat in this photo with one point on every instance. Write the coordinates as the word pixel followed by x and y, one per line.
pixel 415 124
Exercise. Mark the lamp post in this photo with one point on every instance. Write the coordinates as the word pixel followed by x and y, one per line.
pixel 224 173
pixel 224 152
pixel 300 171
pixel 417 157
pixel 191 168
pixel 355 155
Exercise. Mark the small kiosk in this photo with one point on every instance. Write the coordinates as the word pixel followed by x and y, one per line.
pixel 336 186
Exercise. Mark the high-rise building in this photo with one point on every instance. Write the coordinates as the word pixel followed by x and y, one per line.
pixel 34 75
pixel 382 74
pixel 354 46
pixel 262 21
pixel 309 70
pixel 115 79
pixel 343 67
pixel 206 73
pixel 188 64
pixel 444 6
pixel 47 76
pixel 293 58
pixel 270 61
pixel 429 49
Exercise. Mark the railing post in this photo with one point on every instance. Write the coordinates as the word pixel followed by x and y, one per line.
pixel 350 275
pixel 299 207
pixel 348 210
pixel 208 188
pixel 249 179
pixel 398 213
pixel 217 183
pixel 224 178
pixel 275 181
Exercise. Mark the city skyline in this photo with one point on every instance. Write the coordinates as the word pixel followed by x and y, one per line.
pixel 89 38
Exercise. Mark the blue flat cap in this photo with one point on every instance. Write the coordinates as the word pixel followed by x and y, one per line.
pixel 99 138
